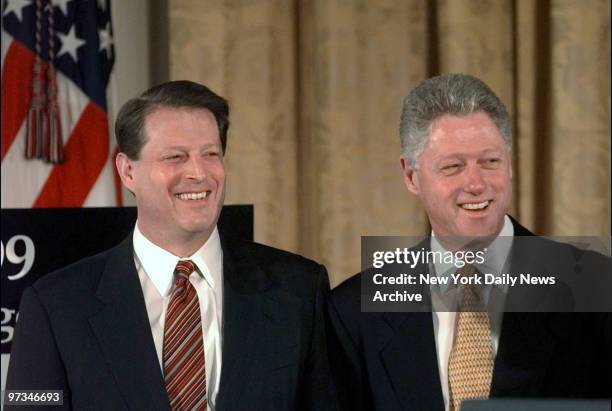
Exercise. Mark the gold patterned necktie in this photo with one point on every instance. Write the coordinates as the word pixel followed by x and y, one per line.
pixel 470 365
pixel 184 371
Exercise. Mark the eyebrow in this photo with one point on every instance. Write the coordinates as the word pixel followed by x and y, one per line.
pixel 462 154
pixel 185 148
pixel 492 150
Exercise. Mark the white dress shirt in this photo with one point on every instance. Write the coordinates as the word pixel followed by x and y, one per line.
pixel 444 322
pixel 155 268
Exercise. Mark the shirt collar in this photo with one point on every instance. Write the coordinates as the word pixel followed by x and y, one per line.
pixel 159 264
pixel 498 251
pixel 495 256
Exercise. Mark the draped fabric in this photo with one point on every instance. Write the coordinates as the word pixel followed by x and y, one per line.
pixel 316 86
pixel 57 65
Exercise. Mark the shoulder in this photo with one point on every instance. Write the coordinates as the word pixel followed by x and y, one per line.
pixel 76 275
pixel 75 282
pixel 561 250
pixel 345 299
pixel 279 265
pixel 348 291
pixel 275 257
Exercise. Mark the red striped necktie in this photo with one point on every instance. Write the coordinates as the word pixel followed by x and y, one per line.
pixel 184 370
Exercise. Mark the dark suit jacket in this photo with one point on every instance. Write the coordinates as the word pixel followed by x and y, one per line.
pixel 388 361
pixel 85 330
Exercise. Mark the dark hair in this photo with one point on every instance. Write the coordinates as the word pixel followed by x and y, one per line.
pixel 129 127
pixel 456 94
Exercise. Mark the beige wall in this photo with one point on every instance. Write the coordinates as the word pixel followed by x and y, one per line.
pixel 132 47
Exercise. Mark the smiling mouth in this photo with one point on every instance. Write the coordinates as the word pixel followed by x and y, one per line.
pixel 193 196
pixel 475 206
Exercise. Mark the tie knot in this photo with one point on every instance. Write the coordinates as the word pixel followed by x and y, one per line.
pixel 184 268
pixel 467 270
pixel 471 291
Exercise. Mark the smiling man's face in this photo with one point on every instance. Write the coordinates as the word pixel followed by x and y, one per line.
pixel 463 176
pixel 178 179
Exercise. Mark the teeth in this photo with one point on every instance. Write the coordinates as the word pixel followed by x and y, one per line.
pixel 192 196
pixel 475 206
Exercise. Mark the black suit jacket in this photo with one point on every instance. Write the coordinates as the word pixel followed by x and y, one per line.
pixel 85 330
pixel 388 361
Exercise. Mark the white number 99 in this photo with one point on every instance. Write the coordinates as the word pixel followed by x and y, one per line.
pixel 27 258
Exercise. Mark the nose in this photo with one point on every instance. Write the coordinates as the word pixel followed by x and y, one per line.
pixel 474 181
pixel 196 170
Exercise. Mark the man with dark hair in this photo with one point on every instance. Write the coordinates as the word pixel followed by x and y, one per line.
pixel 456 143
pixel 176 94
pixel 177 316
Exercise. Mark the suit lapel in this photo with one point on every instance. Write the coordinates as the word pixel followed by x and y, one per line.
pixel 525 344
pixel 408 352
pixel 409 357
pixel 123 332
pixel 246 313
pixel 525 350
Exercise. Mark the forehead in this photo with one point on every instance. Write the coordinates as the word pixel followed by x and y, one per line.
pixel 161 114
pixel 474 132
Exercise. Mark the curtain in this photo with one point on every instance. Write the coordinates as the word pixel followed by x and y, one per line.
pixel 316 86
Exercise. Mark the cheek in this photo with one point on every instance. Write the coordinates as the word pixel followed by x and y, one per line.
pixel 503 183
pixel 440 200
pixel 218 173
pixel 165 179
pixel 446 190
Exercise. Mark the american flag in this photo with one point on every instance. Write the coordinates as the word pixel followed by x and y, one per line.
pixel 57 59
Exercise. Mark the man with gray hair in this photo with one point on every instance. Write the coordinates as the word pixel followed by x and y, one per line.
pixel 456 143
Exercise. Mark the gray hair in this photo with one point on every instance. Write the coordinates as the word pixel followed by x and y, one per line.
pixel 456 94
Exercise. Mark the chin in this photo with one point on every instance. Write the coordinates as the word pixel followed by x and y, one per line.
pixel 478 230
pixel 198 225
pixel 200 228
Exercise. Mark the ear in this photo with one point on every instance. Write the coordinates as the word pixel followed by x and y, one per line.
pixel 509 154
pixel 125 169
pixel 410 177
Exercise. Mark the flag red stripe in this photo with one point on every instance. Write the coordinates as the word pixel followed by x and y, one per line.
pixel 86 153
pixel 16 91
